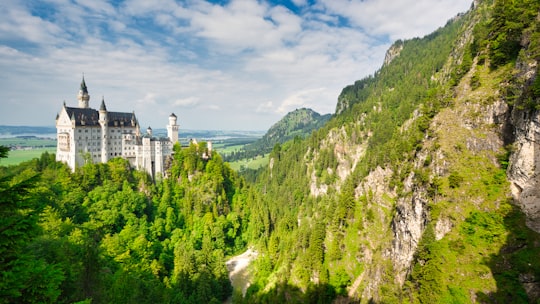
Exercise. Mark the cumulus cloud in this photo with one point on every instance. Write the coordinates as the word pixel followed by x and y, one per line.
pixel 246 25
pixel 19 24
pixel 238 65
pixel 396 19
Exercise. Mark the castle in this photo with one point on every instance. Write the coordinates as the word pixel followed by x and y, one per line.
pixel 88 135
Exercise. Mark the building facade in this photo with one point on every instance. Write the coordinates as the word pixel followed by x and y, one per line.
pixel 88 135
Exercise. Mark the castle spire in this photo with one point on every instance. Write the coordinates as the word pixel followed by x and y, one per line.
pixel 84 89
pixel 83 96
pixel 103 107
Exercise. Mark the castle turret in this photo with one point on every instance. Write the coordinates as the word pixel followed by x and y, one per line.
pixel 83 97
pixel 172 129
pixel 104 122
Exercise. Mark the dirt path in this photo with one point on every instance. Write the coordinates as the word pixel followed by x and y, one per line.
pixel 238 270
pixel 356 284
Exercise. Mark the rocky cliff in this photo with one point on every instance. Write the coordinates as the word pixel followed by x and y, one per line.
pixel 524 169
pixel 524 166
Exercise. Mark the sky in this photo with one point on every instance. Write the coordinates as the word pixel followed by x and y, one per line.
pixel 218 65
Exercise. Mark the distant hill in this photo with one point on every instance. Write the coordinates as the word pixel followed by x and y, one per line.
pixel 17 130
pixel 300 122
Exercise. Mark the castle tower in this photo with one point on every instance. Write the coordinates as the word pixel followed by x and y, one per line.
pixel 83 97
pixel 104 122
pixel 172 129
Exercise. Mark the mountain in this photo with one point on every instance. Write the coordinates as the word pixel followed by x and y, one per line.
pixel 298 123
pixel 423 188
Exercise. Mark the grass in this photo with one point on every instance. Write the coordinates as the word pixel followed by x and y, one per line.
pixel 224 149
pixel 256 163
pixel 18 156
pixel 25 149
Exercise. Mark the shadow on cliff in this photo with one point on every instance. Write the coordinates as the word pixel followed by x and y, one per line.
pixel 516 267
pixel 285 293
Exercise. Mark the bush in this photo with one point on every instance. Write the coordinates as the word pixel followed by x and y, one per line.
pixel 454 180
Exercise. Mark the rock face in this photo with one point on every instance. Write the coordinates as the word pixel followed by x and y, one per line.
pixel 393 52
pixel 524 168
pixel 408 226
pixel 524 163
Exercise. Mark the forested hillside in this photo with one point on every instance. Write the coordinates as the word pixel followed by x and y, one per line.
pixel 412 192
pixel 298 123
pixel 108 234
pixel 422 188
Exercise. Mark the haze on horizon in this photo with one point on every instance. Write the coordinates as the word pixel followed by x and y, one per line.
pixel 218 65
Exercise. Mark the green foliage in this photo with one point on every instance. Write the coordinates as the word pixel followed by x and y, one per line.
pixel 483 227
pixel 340 280
pixel 455 180
pixel 4 151
pixel 509 20
pixel 475 81
pixel 24 276
pixel 535 87
pixel 462 69
pixel 108 234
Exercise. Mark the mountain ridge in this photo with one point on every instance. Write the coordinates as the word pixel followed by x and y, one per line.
pixel 402 193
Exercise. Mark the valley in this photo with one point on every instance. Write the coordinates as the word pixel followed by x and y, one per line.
pixel 422 187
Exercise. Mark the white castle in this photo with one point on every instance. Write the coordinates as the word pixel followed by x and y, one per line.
pixel 88 135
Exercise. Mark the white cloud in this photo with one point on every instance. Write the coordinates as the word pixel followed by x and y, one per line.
pixel 397 19
pixel 18 24
pixel 187 102
pixel 265 107
pixel 98 6
pixel 241 65
pixel 299 2
pixel 300 99
pixel 246 25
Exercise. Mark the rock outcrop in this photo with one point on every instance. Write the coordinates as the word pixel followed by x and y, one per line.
pixel 393 52
pixel 524 168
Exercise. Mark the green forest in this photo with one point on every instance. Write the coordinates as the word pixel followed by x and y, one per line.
pixel 108 234
pixel 331 216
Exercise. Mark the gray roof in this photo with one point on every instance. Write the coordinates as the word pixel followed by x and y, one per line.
pixel 90 117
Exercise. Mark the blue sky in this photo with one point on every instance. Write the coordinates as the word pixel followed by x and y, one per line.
pixel 227 65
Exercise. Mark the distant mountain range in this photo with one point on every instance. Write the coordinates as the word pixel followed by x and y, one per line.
pixel 184 133
pixel 18 130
